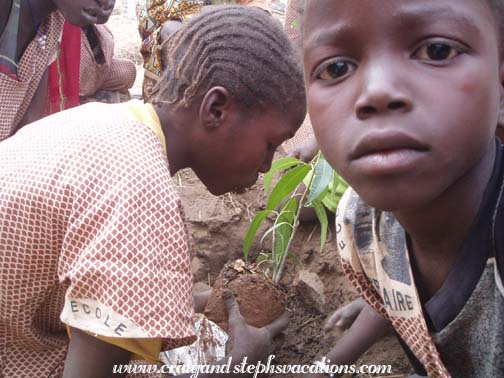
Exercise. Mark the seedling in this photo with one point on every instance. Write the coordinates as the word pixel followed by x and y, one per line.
pixel 285 202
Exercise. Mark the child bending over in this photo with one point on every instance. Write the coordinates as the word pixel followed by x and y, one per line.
pixel 92 232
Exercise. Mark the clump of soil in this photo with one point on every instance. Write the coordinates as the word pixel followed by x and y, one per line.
pixel 260 300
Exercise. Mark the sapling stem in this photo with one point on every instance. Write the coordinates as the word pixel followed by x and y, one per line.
pixel 277 275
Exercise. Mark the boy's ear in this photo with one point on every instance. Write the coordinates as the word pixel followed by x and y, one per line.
pixel 214 107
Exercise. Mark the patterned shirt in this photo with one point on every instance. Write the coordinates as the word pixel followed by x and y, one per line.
pixel 16 95
pixel 92 236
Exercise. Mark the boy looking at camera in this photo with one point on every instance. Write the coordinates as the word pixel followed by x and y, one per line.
pixel 405 98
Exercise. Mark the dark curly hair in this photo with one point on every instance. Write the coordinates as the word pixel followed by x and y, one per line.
pixel 239 48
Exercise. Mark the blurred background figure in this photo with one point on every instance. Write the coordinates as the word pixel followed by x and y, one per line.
pixel 55 57
pixel 86 70
pixel 158 19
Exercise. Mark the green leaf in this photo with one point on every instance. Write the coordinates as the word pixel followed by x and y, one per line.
pixel 279 165
pixel 263 257
pixel 273 229
pixel 322 217
pixel 252 230
pixel 286 218
pixel 334 184
pixel 322 195
pixel 294 258
pixel 287 184
pixel 323 174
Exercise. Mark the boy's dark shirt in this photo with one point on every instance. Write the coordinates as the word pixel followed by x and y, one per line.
pixel 484 241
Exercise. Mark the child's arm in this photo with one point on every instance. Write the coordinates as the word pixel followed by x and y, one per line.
pixel 89 357
pixel 344 317
pixel 368 328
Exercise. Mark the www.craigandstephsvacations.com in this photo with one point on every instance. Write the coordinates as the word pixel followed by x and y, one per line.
pixel 244 367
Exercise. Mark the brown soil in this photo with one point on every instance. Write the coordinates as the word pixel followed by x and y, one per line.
pixel 259 299
pixel 218 225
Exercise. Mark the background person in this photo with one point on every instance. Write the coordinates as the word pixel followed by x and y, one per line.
pixel 30 33
pixel 158 19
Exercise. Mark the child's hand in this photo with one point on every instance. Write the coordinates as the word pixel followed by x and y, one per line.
pixel 247 341
pixel 344 317
pixel 306 151
pixel 200 300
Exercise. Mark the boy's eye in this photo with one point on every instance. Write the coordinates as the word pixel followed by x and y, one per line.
pixel 333 69
pixel 438 51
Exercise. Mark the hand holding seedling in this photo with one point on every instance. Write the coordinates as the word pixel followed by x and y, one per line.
pixel 247 341
pixel 246 344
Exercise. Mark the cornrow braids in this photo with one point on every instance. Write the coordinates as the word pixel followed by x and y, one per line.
pixel 239 48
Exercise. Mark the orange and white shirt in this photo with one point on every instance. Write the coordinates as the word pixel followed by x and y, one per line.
pixel 92 236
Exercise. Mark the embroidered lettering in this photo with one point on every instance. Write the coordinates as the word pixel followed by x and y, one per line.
pixel 86 309
pixel 120 329
pixel 73 305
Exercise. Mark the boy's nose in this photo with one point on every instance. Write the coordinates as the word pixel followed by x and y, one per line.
pixel 106 5
pixel 382 92
pixel 266 165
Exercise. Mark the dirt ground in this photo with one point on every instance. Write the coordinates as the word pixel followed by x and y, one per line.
pixel 218 225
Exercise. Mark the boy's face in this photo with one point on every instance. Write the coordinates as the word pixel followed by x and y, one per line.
pixel 404 95
pixel 244 147
pixel 85 12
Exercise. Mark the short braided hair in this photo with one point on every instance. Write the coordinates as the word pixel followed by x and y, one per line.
pixel 239 48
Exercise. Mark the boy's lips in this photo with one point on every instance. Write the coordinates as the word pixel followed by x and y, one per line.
pixel 95 15
pixel 387 152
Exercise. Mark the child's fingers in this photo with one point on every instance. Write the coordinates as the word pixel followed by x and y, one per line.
pixel 232 309
pixel 278 325
pixel 295 154
pixel 333 321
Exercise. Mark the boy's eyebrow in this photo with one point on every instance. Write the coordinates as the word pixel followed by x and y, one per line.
pixel 424 16
pixel 410 17
pixel 326 36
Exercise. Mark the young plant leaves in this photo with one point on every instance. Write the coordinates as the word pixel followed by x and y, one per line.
pixel 279 165
pixel 322 217
pixel 286 219
pixel 287 184
pixel 274 228
pixel 251 232
pixel 323 174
